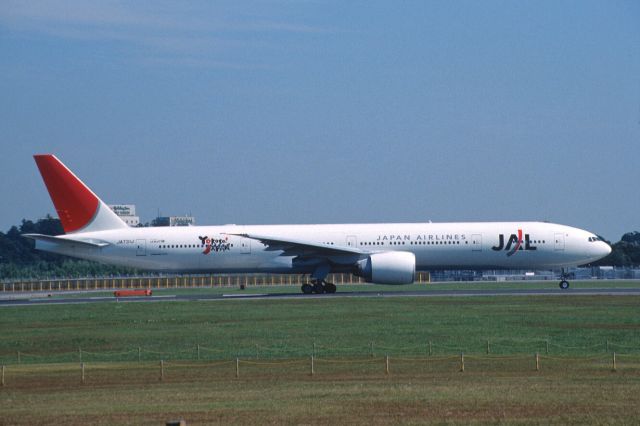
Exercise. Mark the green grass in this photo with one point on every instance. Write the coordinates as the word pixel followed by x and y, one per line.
pixel 338 327
pixel 569 388
pixel 410 394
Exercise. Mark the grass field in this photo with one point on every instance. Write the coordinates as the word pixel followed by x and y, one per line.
pixel 574 385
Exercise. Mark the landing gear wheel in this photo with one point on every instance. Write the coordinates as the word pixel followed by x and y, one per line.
pixel 318 288
pixel 564 284
pixel 307 288
pixel 330 288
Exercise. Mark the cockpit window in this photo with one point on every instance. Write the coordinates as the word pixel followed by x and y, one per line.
pixel 592 239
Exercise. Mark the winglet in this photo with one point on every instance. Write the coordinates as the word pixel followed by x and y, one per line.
pixel 77 206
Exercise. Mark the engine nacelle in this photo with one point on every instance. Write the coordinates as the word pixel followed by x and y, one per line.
pixel 392 267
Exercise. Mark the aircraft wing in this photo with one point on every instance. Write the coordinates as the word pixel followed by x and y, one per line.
pixel 66 241
pixel 303 248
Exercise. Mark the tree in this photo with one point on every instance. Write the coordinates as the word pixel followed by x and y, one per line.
pixel 624 253
pixel 20 259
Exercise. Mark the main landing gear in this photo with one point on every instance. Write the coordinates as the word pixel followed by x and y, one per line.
pixel 318 287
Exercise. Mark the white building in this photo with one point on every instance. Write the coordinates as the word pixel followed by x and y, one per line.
pixel 126 212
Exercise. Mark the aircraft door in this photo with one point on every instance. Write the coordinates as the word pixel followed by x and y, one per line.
pixel 141 247
pixel 352 241
pixel 476 242
pixel 559 242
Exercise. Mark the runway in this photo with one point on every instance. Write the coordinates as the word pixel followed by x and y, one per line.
pixel 26 299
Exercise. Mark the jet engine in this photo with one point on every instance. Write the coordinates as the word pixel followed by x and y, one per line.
pixel 392 267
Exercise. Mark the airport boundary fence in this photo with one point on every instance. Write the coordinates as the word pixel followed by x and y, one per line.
pixel 175 282
pixel 258 351
pixel 101 373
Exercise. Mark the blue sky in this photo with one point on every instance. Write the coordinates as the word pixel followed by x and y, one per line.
pixel 317 112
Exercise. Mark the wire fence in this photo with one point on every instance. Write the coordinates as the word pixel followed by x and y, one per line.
pixel 101 373
pixel 257 351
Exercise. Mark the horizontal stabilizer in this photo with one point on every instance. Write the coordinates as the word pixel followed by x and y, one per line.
pixel 67 241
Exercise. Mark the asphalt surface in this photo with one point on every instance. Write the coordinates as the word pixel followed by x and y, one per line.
pixel 26 299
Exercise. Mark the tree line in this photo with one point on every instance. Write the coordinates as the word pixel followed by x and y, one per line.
pixel 19 259
pixel 624 253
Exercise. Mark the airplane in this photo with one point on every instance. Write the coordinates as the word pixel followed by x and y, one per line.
pixel 384 253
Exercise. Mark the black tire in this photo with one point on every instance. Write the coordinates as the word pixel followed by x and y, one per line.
pixel 318 288
pixel 307 289
pixel 330 288
pixel 564 284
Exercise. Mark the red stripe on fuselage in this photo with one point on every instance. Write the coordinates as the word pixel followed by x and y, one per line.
pixel 519 241
pixel 515 248
pixel 75 203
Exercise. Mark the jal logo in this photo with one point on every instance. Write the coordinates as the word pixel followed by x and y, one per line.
pixel 514 243
pixel 215 245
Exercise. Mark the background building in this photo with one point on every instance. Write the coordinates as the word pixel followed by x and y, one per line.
pixel 174 221
pixel 126 212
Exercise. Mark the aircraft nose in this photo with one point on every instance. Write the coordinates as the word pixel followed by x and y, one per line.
pixel 602 249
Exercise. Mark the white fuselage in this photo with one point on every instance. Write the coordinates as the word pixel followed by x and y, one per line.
pixel 219 249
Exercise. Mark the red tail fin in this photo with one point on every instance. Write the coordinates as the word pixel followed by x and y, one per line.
pixel 75 203
pixel 77 206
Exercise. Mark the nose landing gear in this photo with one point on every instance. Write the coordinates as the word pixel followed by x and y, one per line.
pixel 564 284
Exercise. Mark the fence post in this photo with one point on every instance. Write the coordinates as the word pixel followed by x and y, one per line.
pixel 237 368
pixel 537 362
pixel 430 349
pixel 312 366
pixel 161 370
pixel 82 373
pixel 198 351
pixel 371 349
pixel 614 362
pixel 462 362
pixel 488 347
pixel 386 368
pixel 18 357
pixel 2 376
pixel 139 354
